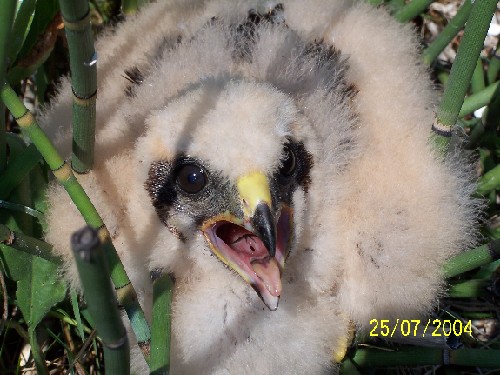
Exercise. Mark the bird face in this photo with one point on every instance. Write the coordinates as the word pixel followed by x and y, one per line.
pixel 230 171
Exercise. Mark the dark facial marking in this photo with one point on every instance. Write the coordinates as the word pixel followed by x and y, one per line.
pixel 135 77
pixel 294 171
pixel 186 186
pixel 245 34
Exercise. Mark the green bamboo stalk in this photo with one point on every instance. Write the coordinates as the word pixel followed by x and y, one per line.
pixel 411 10
pixel 494 67
pixel 18 169
pixel 461 72
pixel 101 303
pixel 416 356
pixel 126 293
pixel 444 38
pixel 7 12
pixel 160 330
pixel 471 259
pixel 469 289
pixel 478 100
pixel 477 81
pixel 127 297
pixel 22 242
pixel 76 15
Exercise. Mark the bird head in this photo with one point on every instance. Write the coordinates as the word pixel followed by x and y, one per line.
pixel 224 161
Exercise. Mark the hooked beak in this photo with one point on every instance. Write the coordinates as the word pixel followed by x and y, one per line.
pixel 256 200
pixel 255 246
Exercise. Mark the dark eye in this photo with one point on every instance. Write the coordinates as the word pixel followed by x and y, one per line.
pixel 289 163
pixel 191 178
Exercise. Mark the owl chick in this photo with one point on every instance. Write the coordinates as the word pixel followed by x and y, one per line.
pixel 274 157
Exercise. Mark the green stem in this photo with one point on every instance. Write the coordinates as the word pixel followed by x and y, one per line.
pixel 160 330
pixel 494 67
pixel 101 303
pixel 469 289
pixel 471 259
pixel 127 297
pixel 415 356
pixel 478 100
pixel 444 38
pixel 7 12
pixel 465 63
pixel 411 10
pixel 20 241
pixel 126 293
pixel 477 81
pixel 489 181
pixel 76 15
pixel 37 352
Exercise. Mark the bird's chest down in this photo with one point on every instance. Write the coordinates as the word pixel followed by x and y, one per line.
pixel 221 326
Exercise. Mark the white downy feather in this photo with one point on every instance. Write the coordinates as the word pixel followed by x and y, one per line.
pixel 382 212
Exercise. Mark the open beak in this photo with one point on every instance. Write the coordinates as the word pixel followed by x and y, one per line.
pixel 257 245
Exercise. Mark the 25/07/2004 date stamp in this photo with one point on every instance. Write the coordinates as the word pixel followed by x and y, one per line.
pixel 417 327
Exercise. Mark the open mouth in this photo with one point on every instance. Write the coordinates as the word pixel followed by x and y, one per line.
pixel 243 251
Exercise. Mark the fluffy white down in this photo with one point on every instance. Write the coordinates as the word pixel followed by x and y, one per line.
pixel 382 213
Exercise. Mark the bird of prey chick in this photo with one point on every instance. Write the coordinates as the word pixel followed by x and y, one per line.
pixel 274 158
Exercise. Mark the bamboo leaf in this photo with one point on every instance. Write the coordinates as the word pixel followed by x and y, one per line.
pixel 21 27
pixel 7 10
pixel 76 311
pixel 29 62
pixel 39 290
pixel 45 11
pixel 17 169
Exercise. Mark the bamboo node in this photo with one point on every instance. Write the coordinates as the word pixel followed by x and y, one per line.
pixel 78 25
pixel 145 347
pixel 103 234
pixel 63 173
pixel 118 344
pixel 441 129
pixel 25 120
pixel 84 101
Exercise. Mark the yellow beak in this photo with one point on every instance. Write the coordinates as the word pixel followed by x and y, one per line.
pixel 255 196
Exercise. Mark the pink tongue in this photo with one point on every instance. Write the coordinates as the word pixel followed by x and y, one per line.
pixel 268 271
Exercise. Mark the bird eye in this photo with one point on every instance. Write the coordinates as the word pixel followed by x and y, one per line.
pixel 191 178
pixel 289 163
